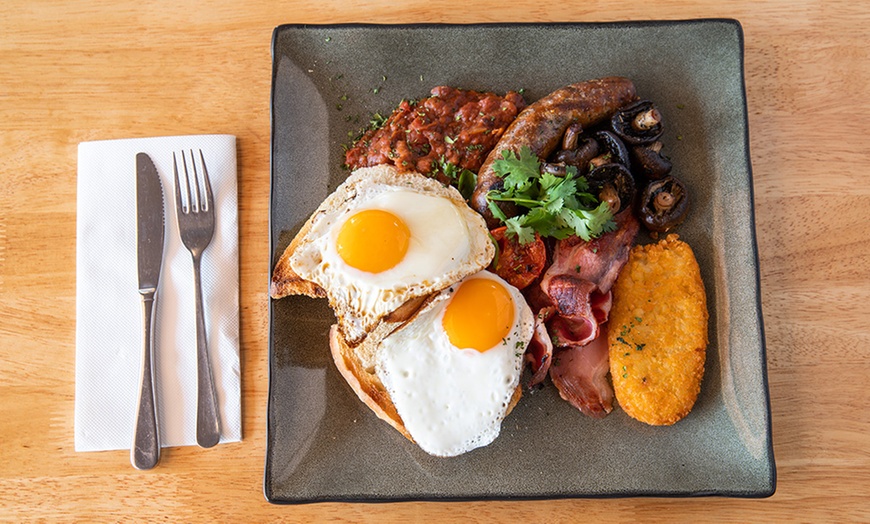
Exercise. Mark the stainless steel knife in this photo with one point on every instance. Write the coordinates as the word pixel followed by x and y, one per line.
pixel 145 451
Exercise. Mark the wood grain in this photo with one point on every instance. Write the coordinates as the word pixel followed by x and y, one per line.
pixel 75 71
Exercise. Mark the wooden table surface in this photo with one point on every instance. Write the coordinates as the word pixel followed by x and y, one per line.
pixel 76 71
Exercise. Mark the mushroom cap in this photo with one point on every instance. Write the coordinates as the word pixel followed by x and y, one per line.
pixel 663 204
pixel 638 123
pixel 579 157
pixel 612 183
pixel 649 162
pixel 610 143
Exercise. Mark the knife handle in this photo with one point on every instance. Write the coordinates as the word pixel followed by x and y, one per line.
pixel 146 439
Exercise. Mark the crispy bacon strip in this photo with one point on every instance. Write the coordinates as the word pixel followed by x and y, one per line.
pixel 580 375
pixel 577 286
pixel 597 261
pixel 539 354
pixel 578 282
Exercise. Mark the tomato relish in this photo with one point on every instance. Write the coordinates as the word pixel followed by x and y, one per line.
pixel 453 126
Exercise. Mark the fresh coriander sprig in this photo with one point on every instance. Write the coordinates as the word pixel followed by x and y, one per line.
pixel 557 206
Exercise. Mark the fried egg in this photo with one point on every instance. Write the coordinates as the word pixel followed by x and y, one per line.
pixel 452 370
pixel 383 238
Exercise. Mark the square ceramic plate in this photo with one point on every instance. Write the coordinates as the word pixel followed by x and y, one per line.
pixel 325 445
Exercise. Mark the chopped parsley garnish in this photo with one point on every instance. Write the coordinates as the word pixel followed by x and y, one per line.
pixel 556 206
pixel 377 121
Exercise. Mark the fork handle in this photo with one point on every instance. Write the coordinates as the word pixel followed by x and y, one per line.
pixel 208 427
pixel 146 438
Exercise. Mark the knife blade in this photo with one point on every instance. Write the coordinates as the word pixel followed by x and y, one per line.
pixel 150 225
pixel 149 222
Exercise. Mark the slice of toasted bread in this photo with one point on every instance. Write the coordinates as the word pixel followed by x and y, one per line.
pixel 364 382
pixel 285 281
pixel 368 387
pixel 303 268
pixel 356 363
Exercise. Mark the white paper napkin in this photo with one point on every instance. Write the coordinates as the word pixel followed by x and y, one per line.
pixel 108 304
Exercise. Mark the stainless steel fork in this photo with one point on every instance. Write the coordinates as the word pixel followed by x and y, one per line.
pixel 195 211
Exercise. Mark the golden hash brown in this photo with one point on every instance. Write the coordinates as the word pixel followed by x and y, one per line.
pixel 658 332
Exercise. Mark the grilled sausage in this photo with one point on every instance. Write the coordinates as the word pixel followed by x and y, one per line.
pixel 541 125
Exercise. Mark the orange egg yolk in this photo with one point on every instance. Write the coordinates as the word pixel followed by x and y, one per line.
pixel 373 240
pixel 480 315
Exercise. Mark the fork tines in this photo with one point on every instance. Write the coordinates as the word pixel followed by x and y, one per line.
pixel 192 202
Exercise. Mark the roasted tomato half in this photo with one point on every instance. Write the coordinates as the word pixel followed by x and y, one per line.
pixel 519 264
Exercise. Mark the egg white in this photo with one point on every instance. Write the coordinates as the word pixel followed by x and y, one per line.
pixel 450 399
pixel 439 238
pixel 448 241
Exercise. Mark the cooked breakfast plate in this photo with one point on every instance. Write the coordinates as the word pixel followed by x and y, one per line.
pixel 329 81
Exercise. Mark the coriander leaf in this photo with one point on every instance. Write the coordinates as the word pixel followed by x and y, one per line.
pixel 542 221
pixel 517 181
pixel 572 202
pixel 524 234
pixel 589 223
pixel 538 217
pixel 518 172
pixel 447 168
pixel 576 223
pixel 564 188
pixel 549 180
pixel 556 207
pixel 580 181
pixel 495 210
pixel 463 179
pixel 521 200
pixel 600 219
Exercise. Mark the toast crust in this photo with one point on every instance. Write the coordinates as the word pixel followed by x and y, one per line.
pixel 285 281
